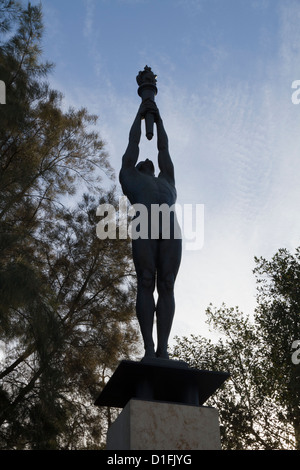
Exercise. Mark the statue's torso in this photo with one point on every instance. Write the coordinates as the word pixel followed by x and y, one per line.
pixel 145 189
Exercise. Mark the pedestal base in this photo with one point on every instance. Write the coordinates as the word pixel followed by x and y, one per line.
pixel 146 425
pixel 162 401
pixel 161 380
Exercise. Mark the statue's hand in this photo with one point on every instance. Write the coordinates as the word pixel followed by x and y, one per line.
pixel 149 106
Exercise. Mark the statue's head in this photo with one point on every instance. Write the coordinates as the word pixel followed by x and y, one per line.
pixel 146 167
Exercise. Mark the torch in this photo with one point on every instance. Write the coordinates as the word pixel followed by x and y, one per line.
pixel 147 90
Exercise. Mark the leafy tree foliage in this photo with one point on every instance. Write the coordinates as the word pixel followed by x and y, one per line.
pixel 259 405
pixel 66 309
pixel 9 10
pixel 278 325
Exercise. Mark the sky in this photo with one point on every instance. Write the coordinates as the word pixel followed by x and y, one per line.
pixel 225 70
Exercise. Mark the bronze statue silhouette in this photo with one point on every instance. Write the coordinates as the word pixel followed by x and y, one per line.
pixel 156 259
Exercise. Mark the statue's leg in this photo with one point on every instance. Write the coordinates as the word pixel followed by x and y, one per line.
pixel 167 269
pixel 144 256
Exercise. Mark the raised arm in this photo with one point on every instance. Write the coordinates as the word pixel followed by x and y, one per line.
pixel 164 159
pixel 131 154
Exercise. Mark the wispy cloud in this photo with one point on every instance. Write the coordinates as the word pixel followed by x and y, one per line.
pixel 89 17
pixel 91 34
pixel 236 147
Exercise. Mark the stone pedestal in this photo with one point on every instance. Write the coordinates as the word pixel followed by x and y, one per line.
pixel 162 406
pixel 146 425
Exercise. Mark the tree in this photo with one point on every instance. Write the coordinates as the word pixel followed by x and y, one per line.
pixel 278 324
pixel 44 153
pixel 259 404
pixel 71 336
pixel 66 310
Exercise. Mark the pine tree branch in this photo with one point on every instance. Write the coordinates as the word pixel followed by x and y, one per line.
pixel 30 350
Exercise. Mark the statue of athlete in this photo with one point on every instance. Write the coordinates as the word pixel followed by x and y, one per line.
pixel 156 259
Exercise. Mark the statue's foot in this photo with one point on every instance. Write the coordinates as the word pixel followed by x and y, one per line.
pixel 162 354
pixel 149 353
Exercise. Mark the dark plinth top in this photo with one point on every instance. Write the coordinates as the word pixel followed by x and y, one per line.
pixel 159 380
